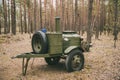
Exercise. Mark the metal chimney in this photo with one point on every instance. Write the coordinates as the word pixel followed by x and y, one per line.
pixel 57 24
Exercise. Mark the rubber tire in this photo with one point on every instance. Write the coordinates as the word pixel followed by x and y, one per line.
pixel 52 60
pixel 43 42
pixel 68 63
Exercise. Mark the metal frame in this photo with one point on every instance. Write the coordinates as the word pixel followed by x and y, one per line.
pixel 27 56
pixel 24 66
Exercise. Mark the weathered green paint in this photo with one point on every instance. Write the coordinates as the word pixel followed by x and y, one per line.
pixel 70 49
pixel 71 39
pixel 58 44
pixel 55 43
pixel 31 55
pixel 25 65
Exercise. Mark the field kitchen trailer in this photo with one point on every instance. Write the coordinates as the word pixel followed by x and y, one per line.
pixel 56 45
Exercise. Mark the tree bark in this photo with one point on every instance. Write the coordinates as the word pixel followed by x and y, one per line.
pixel 97 25
pixel 41 14
pixel 73 19
pixel 63 20
pixel 76 14
pixel 8 16
pixel 89 21
pixel 35 15
pixel 102 16
pixel 13 16
pixel 115 14
pixel 52 16
pixel 0 22
pixel 115 21
pixel 21 26
pixel 25 21
pixel 29 15
pixel 5 16
pixel 45 5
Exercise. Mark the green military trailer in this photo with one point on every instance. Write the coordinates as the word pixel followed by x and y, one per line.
pixel 53 46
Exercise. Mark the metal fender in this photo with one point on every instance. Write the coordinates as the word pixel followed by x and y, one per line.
pixel 70 49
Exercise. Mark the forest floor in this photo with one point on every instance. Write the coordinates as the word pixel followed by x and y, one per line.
pixel 101 63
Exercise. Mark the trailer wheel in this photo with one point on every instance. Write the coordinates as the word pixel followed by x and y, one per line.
pixel 39 43
pixel 52 60
pixel 74 61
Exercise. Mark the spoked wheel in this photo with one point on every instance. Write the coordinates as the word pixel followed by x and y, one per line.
pixel 52 60
pixel 74 61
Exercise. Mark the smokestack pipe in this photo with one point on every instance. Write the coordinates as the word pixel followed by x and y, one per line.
pixel 57 24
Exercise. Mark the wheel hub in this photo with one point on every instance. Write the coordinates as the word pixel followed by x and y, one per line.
pixel 76 62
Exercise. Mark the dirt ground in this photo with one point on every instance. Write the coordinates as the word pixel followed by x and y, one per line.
pixel 101 63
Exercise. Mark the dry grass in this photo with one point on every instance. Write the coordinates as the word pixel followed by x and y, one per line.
pixel 101 63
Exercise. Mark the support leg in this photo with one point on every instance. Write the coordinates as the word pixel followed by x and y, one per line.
pixel 24 66
pixel 23 63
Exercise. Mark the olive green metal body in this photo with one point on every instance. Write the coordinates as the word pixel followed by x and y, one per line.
pixel 63 43
pixel 55 43
pixel 59 44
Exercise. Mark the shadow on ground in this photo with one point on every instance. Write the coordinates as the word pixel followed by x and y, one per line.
pixel 37 69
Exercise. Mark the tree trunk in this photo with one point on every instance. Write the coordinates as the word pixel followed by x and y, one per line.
pixel 76 13
pixel 13 16
pixel 5 16
pixel 97 25
pixel 35 15
pixel 115 21
pixel 56 7
pixel 45 3
pixel 41 14
pixel 70 14
pixel 52 15
pixel 67 16
pixel 102 16
pixel 0 23
pixel 32 19
pixel 21 26
pixel 25 21
pixel 82 18
pixel 63 21
pixel 8 16
pixel 89 21
pixel 0 19
pixel 29 18
pixel 73 19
